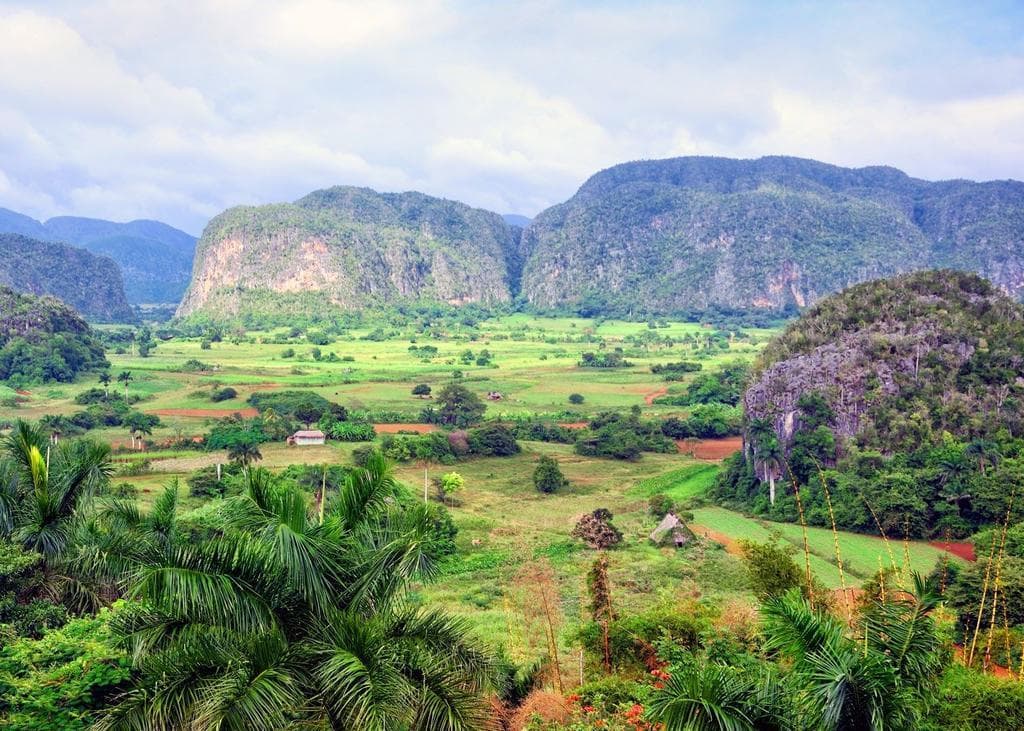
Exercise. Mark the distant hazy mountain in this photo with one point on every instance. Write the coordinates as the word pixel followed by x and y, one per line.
pixel 350 247
pixel 514 219
pixel 155 259
pixel 698 232
pixel 88 282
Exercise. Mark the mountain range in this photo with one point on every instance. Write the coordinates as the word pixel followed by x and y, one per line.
pixel 155 259
pixel 660 236
pixel 675 236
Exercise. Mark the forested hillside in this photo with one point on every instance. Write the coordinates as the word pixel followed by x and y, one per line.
pixel 695 233
pixel 42 339
pixel 155 259
pixel 347 247
pixel 907 392
pixel 89 283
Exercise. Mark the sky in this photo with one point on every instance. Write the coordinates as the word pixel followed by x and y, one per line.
pixel 175 111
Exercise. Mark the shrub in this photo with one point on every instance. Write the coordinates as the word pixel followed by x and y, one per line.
pixel 203 482
pixel 660 505
pixel 352 431
pixel 771 568
pixel 576 398
pixel 631 638
pixel 493 440
pixel 596 530
pixel 421 389
pixel 223 394
pixel 547 477
pixel 967 700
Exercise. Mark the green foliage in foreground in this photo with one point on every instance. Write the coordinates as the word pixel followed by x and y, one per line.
pixel 282 619
pixel 62 680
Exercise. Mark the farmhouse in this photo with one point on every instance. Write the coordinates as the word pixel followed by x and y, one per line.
pixel 305 437
pixel 671 531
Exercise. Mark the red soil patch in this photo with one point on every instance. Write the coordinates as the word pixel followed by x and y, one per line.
pixel 395 428
pixel 960 549
pixel 246 413
pixel 711 449
pixel 23 392
pixel 264 386
pixel 730 545
pixel 649 398
pixel 573 424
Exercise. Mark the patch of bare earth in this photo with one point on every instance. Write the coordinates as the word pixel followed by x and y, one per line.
pixel 710 449
pixel 960 549
pixel 649 397
pixel 400 427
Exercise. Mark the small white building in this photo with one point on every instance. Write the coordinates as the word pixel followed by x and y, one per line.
pixel 306 437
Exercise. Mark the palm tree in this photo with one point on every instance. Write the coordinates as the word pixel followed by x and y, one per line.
pixel 280 621
pixel 766 451
pixel 56 425
pixel 877 678
pixel 711 697
pixel 43 488
pixel 105 382
pixel 984 452
pixel 771 460
pixel 245 453
pixel 124 377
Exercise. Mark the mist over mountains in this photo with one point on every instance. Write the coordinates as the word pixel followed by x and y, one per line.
pixel 155 259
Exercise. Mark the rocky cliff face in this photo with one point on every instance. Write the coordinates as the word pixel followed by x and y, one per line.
pixel 899 361
pixel 89 283
pixel 693 233
pixel 350 247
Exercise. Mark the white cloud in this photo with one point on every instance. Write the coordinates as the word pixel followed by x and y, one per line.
pixel 175 111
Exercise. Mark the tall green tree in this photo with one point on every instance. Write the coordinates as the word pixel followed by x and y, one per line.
pixel 125 377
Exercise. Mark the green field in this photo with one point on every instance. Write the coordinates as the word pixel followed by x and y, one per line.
pixel 862 555
pixel 503 521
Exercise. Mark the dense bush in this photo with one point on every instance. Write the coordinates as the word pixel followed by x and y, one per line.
pixel 204 483
pixel 706 421
pixel 63 680
pixel 614 359
pixel 547 477
pixel 302 406
pixel 632 637
pixel 968 700
pixel 223 394
pixel 493 440
pixel 536 430
pixel 621 437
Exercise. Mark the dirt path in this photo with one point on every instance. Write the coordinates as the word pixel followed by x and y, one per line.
pixel 711 449
pixel 573 424
pixel 246 413
pixel 649 397
pixel 730 545
pixel 395 428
